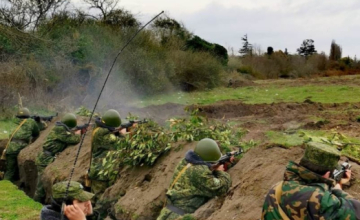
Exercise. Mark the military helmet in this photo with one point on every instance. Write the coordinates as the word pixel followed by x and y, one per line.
pixel 69 120
pixel 208 150
pixel 23 112
pixel 112 118
pixel 75 191
pixel 320 157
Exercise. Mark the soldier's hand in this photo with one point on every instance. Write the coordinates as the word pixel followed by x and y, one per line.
pixel 73 212
pixel 220 168
pixel 78 132
pixel 346 178
pixel 123 131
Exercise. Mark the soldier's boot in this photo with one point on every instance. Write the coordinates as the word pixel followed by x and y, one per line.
pixel 11 167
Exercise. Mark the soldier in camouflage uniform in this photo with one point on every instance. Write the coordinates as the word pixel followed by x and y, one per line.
pixel 58 139
pixel 194 183
pixel 105 138
pixel 78 202
pixel 26 132
pixel 308 192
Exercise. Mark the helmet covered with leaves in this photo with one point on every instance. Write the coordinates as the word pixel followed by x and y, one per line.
pixel 24 112
pixel 320 157
pixel 69 120
pixel 208 150
pixel 112 118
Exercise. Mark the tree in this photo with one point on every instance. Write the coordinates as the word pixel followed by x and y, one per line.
pixel 23 14
pixel 168 28
pixel 335 51
pixel 247 47
pixel 286 52
pixel 105 6
pixel 307 48
pixel 270 51
pixel 121 18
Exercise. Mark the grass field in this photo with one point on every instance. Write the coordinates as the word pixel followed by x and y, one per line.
pixel 15 205
pixel 262 94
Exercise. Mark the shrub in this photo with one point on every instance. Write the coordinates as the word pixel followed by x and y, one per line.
pixel 195 70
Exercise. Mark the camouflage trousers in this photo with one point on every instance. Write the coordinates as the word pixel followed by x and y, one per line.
pixel 40 193
pixel 12 169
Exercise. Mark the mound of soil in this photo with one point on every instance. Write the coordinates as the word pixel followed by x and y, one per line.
pixel 26 160
pixel 235 109
pixel 140 191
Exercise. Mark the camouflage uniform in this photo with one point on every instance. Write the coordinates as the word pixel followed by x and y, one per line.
pixel 58 139
pixel 307 195
pixel 197 185
pixel 103 141
pixel 22 138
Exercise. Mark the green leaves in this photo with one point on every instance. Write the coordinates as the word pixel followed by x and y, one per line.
pixel 147 142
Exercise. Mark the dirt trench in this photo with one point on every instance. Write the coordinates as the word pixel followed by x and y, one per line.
pixel 139 192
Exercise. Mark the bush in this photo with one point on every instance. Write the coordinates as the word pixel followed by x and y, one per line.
pixel 195 70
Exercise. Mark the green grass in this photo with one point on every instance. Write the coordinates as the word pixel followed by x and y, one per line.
pixel 298 138
pixel 15 205
pixel 7 126
pixel 261 94
pixel 284 139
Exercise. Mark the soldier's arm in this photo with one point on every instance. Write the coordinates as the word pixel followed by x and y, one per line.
pixel 216 182
pixel 69 138
pixel 337 204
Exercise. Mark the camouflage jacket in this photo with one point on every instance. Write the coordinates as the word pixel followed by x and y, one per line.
pixel 58 139
pixel 26 133
pixel 197 184
pixel 306 196
pixel 103 141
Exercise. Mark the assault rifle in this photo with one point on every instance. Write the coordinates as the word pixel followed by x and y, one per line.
pixel 44 118
pixel 81 127
pixel 338 174
pixel 226 159
pixel 131 123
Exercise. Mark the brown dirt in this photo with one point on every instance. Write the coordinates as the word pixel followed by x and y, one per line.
pixel 139 192
pixel 259 118
pixel 27 167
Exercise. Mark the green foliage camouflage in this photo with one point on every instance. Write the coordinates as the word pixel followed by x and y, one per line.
pixel 149 141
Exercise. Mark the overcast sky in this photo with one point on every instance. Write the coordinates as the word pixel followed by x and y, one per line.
pixel 277 23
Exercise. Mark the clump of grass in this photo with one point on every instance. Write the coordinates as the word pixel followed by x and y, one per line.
pixel 15 205
pixel 284 139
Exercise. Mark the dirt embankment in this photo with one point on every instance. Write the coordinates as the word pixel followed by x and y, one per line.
pixel 65 160
pixel 139 192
